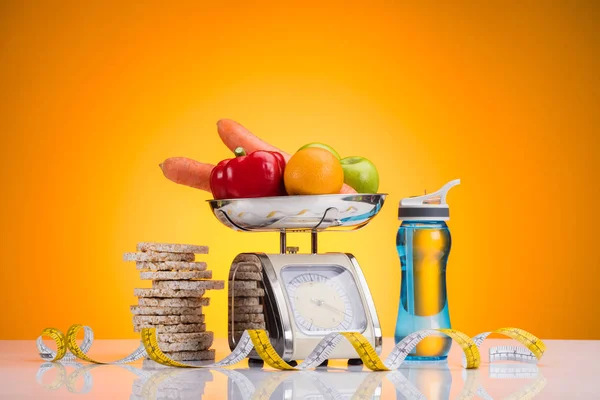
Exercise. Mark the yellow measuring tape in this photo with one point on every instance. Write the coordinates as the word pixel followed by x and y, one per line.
pixel 535 345
pixel 59 340
pixel 258 340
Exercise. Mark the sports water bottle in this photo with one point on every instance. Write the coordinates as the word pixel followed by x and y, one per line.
pixel 423 244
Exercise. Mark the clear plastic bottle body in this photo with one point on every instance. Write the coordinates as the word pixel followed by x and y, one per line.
pixel 423 247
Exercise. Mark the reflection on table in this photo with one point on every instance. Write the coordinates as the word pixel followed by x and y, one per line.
pixel 412 381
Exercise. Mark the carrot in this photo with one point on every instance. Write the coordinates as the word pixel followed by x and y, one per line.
pixel 186 171
pixel 235 135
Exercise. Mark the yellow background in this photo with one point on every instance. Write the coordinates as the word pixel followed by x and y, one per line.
pixel 504 97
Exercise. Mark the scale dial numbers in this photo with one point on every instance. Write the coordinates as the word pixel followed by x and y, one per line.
pixel 319 304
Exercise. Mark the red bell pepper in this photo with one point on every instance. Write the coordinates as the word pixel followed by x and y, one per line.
pixel 258 174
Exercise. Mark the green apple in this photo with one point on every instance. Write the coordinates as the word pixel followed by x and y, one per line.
pixel 360 174
pixel 321 146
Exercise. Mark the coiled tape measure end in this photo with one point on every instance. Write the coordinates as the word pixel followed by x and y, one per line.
pixel 59 339
pixel 258 339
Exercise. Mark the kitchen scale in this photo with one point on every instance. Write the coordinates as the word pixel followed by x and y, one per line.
pixel 302 297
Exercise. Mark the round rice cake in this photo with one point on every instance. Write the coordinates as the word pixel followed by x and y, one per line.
pixel 172 248
pixel 145 310
pixel 175 275
pixel 243 284
pixel 242 326
pixel 247 309
pixel 245 276
pixel 238 317
pixel 191 345
pixel 148 321
pixel 191 355
pixel 168 293
pixel 177 302
pixel 188 346
pixel 171 266
pixel 247 262
pixel 189 285
pixel 154 256
pixel 179 328
pixel 244 301
pixel 246 292
pixel 185 337
pixel 246 267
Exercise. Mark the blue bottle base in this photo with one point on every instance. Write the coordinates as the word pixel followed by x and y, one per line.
pixel 434 350
pixel 426 359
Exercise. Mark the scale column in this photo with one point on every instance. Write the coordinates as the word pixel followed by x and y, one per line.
pixel 313 242
pixel 282 241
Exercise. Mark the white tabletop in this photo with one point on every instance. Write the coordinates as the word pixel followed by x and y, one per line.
pixel 568 370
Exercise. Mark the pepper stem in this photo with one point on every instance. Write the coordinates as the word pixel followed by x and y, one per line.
pixel 239 152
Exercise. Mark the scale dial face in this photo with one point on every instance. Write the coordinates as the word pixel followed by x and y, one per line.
pixel 323 299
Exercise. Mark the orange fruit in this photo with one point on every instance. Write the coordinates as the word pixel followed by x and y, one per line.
pixel 313 170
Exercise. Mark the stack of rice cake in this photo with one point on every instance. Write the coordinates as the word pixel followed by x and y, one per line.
pixel 246 293
pixel 174 303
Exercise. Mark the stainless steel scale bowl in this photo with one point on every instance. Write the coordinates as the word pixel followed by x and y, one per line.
pixel 306 296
